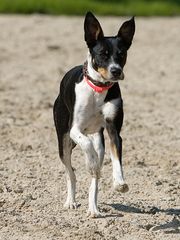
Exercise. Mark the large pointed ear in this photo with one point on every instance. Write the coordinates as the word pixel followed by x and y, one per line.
pixel 92 29
pixel 127 30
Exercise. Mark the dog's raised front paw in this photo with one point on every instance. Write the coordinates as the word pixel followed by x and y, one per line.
pixel 123 188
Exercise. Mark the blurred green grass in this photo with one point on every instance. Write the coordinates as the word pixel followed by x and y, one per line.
pixel 101 7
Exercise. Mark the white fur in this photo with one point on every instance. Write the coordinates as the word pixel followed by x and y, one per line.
pixel 115 65
pixel 93 191
pixel 118 178
pixel 87 119
pixel 98 146
pixel 110 108
pixel 71 178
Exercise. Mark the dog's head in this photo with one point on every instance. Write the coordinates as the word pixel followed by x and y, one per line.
pixel 107 55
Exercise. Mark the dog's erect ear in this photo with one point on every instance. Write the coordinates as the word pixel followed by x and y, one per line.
pixel 126 31
pixel 92 30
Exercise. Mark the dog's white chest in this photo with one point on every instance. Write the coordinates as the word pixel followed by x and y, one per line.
pixel 90 110
pixel 93 115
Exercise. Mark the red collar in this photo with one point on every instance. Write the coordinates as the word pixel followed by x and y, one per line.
pixel 96 88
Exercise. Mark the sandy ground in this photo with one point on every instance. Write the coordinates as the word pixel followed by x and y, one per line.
pixel 35 52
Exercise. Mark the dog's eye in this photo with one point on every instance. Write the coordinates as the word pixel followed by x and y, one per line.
pixel 105 54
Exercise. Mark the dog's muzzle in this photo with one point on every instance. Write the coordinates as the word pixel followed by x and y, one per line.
pixel 117 73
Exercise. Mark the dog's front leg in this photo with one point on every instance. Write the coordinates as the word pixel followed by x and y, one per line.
pixel 93 193
pixel 93 166
pixel 86 145
pixel 116 157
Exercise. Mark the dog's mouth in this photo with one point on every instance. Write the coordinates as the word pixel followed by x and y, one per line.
pixel 109 76
pixel 114 78
pixel 118 77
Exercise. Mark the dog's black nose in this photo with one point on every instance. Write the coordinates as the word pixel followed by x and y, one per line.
pixel 116 72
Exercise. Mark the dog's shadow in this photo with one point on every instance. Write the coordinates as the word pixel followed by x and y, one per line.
pixel 143 209
pixel 172 227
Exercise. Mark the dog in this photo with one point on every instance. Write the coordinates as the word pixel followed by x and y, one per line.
pixel 90 101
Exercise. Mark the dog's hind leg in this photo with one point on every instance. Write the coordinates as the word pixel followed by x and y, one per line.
pixel 65 149
pixel 70 175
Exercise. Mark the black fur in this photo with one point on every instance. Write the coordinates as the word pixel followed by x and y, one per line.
pixel 64 104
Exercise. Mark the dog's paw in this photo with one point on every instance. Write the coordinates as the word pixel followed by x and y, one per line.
pixel 71 205
pixel 123 188
pixel 94 213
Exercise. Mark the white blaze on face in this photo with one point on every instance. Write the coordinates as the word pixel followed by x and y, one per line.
pixel 115 65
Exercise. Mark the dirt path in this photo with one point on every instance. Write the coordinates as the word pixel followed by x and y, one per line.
pixel 35 52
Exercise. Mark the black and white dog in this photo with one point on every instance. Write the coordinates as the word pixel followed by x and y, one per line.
pixel 89 101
